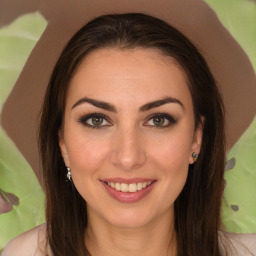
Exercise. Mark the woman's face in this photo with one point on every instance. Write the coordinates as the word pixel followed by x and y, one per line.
pixel 128 135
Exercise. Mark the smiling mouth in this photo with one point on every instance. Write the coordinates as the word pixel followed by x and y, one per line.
pixel 132 187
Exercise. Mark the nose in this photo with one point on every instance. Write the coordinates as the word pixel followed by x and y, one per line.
pixel 128 150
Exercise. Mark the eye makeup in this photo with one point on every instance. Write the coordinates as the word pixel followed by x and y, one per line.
pixel 161 120
pixel 96 120
pixel 156 120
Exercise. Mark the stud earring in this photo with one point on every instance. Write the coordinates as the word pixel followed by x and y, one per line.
pixel 195 156
pixel 69 174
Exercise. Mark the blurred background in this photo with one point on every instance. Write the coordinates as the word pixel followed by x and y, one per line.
pixel 32 35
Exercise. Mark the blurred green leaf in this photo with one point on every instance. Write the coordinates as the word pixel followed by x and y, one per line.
pixel 239 203
pixel 18 183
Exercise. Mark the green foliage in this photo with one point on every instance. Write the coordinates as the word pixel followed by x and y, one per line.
pixel 17 177
pixel 239 204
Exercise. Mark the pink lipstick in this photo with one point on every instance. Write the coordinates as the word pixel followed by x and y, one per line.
pixel 128 190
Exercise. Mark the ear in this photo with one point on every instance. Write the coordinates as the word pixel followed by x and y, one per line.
pixel 197 140
pixel 63 149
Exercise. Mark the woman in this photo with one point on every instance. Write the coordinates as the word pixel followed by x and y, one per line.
pixel 130 105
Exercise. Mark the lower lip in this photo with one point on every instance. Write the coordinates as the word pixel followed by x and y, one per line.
pixel 128 197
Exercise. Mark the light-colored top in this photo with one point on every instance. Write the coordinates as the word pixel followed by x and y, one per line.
pixel 233 244
pixel 32 243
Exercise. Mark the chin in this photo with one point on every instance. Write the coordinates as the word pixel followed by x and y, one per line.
pixel 130 218
pixel 128 223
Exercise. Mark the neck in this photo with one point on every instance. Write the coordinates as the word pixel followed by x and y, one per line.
pixel 155 238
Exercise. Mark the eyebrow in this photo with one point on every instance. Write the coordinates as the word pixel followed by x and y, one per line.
pixel 112 108
pixel 159 103
pixel 96 103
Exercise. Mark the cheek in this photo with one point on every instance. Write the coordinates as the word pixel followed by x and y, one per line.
pixel 172 163
pixel 86 159
pixel 173 171
pixel 86 155
pixel 173 150
pixel 171 158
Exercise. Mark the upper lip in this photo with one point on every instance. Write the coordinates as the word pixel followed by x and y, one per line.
pixel 127 181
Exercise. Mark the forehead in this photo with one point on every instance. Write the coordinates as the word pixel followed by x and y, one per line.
pixel 128 60
pixel 131 73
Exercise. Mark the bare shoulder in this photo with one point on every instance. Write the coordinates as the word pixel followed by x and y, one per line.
pixel 238 244
pixel 30 243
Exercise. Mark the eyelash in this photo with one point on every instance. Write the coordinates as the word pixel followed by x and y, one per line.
pixel 83 120
pixel 167 117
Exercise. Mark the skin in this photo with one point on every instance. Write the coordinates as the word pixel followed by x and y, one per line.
pixel 129 144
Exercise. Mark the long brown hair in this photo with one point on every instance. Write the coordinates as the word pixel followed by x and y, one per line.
pixel 197 209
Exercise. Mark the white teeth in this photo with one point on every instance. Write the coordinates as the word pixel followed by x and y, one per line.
pixel 124 187
pixel 139 186
pixel 117 186
pixel 133 187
